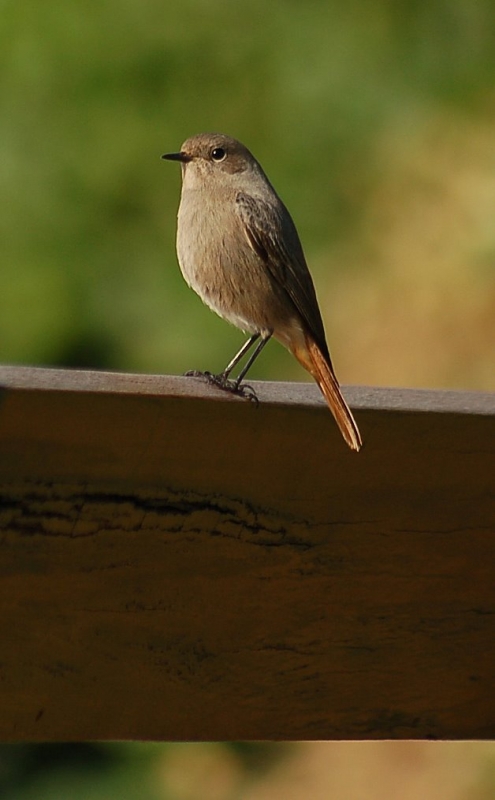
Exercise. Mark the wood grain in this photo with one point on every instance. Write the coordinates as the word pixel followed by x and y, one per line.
pixel 177 563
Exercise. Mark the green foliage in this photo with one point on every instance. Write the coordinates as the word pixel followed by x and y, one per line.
pixel 81 771
pixel 92 93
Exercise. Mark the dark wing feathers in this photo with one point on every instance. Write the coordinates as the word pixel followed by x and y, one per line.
pixel 273 236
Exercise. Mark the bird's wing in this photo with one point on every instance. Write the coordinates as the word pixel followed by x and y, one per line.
pixel 272 234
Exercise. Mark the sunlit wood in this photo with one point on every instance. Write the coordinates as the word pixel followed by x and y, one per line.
pixel 178 563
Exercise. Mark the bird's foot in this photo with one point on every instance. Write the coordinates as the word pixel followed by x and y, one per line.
pixel 195 373
pixel 226 384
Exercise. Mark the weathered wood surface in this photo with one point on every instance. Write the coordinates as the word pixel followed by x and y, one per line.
pixel 177 563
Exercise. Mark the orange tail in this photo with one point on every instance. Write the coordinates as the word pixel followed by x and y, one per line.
pixel 315 362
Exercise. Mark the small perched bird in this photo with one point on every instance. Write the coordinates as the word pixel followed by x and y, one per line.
pixel 238 248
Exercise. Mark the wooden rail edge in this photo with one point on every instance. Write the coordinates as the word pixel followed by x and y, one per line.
pixel 177 563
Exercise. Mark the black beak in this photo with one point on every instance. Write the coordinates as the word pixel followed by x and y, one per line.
pixel 183 157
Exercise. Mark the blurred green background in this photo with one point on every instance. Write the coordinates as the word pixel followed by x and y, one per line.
pixel 375 122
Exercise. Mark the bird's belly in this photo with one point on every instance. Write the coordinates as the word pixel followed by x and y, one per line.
pixel 226 273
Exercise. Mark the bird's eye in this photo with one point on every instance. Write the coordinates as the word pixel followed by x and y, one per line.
pixel 218 154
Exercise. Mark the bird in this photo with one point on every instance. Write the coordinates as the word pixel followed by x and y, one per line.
pixel 239 250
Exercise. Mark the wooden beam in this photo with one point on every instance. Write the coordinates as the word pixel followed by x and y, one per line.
pixel 177 563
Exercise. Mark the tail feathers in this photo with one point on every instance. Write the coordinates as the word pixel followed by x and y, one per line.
pixel 323 373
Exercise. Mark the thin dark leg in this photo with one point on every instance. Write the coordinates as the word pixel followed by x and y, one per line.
pixel 222 380
pixel 223 376
pixel 251 360
pixel 244 349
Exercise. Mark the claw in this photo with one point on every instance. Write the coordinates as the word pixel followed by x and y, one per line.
pixel 222 382
pixel 194 373
pixel 247 391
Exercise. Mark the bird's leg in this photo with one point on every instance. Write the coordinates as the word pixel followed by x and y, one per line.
pixel 236 386
pixel 222 380
pixel 242 352
pixel 252 358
